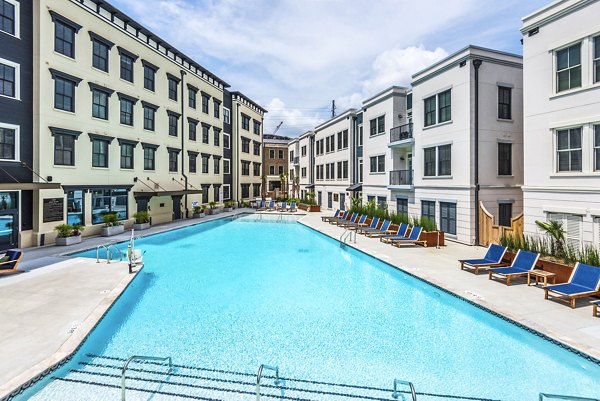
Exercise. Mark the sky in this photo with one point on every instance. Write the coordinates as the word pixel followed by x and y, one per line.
pixel 293 57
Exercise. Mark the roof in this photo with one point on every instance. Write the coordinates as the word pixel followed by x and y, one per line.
pixel 335 119
pixel 552 12
pixel 248 100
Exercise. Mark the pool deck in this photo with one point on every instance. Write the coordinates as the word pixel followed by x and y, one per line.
pixel 525 305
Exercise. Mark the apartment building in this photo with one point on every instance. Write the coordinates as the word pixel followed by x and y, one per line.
pixel 276 162
pixel 468 146
pixel 247 128
pixel 293 148
pixel 561 49
pixel 381 157
pixel 334 160
pixel 305 167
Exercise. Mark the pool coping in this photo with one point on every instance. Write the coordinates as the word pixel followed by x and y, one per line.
pixel 500 314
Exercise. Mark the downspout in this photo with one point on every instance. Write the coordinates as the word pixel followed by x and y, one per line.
pixel 185 177
pixel 476 64
pixel 236 149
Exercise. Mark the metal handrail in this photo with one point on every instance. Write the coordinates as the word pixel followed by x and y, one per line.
pixel 566 397
pixel 345 235
pixel 396 393
pixel 141 358
pixel 259 376
pixel 108 252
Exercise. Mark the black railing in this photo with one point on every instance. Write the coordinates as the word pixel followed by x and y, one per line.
pixel 401 177
pixel 401 133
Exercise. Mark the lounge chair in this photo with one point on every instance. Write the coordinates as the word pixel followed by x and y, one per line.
pixel 596 308
pixel 10 262
pixel 350 218
pixel 523 263
pixel 359 221
pixel 262 206
pixel 337 214
pixel 292 207
pixel 492 258
pixel 412 239
pixel 345 216
pixel 283 206
pixel 400 233
pixel 384 229
pixel 373 225
pixel 584 282
pixel 388 232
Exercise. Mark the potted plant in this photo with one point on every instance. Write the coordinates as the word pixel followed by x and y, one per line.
pixel 112 225
pixel 68 234
pixel 228 206
pixel 198 211
pixel 142 220
pixel 431 234
pixel 212 208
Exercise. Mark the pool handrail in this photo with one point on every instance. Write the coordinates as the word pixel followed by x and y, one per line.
pixel 259 376
pixel 565 397
pixel 396 393
pixel 141 358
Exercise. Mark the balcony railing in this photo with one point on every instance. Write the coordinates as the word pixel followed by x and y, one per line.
pixel 296 160
pixel 401 177
pixel 401 133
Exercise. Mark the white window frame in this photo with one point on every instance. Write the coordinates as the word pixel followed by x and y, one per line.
pixel 228 142
pixel 228 170
pixel 223 191
pixel 384 164
pixel 17 19
pixel 563 218
pixel 17 129
pixel 17 68
pixel 226 115
pixel 581 127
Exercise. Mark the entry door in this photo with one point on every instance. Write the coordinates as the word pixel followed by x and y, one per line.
pixel 342 201
pixel 9 220
pixel 176 207
pixel 320 198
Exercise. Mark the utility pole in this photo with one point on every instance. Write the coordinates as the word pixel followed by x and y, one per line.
pixel 332 108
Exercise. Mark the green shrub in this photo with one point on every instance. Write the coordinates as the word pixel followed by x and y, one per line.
pixel 63 230
pixel 111 219
pixel 212 204
pixel 77 229
pixel 141 217
pixel 198 209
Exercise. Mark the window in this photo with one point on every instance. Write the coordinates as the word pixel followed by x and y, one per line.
pixel 256 148
pixel 596 147
pixel 127 67
pixel 64 94
pixel 216 191
pixel 216 165
pixel 409 101
pixel 568 68
pixel 8 16
pixel 173 160
pixel 205 193
pixel 205 98
pixel 303 172
pixel 127 155
pixel 216 136
pixel 64 150
pixel 572 224
pixel 126 111
pixel 245 145
pixel 597 59
pixel 173 123
pixel 149 77
pixel 8 80
pixel 339 170
pixel 226 192
pixel 445 106
pixel 504 214
pixel 64 38
pixel 280 170
pixel 445 160
pixel 226 116
pixel 192 93
pixel 8 143
pixel 245 122
pixel 100 55
pixel 216 108
pixel 149 117
pixel 256 167
pixel 226 166
pixel 402 206
pixel 448 217
pixel 345 139
pixel 504 103
pixel 569 149
pixel 99 153
pixel 280 154
pixel 245 168
pixel 430 111
pixel 382 202
pixel 256 127
pixel 437 161
pixel 192 125
pixel 504 159
pixel 428 209
pixel 106 201
pixel 149 158
pixel 360 136
pixel 75 207
pixel 329 200
pixel 429 157
pixel 271 170
pixel 303 151
pixel 205 129
pixel 225 141
pixel 377 164
pixel 99 104
pixel 205 164
pixel 256 188
pixel 271 153
pixel 173 84
pixel 377 125
pixel 245 191
pixel 193 157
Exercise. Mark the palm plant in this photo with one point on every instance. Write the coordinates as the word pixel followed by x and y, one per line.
pixel 554 229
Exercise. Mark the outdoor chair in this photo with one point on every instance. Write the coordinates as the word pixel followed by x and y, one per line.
pixel 492 258
pixel 584 282
pixel 523 263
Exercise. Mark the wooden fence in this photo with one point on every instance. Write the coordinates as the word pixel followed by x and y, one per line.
pixel 491 233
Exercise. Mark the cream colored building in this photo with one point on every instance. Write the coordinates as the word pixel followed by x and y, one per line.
pixel 561 50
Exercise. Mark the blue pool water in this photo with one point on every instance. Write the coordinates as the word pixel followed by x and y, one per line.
pixel 231 295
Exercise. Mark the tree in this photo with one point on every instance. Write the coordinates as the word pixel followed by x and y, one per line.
pixel 556 232
pixel 297 186
pixel 263 179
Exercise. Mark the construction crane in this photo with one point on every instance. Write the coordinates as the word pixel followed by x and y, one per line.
pixel 272 136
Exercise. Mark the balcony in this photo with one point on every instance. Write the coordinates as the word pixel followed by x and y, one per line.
pixel 296 160
pixel 401 135
pixel 401 179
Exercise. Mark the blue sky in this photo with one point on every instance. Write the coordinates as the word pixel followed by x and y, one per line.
pixel 295 56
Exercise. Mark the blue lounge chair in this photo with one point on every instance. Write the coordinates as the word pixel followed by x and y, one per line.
pixel 373 225
pixel 283 206
pixel 401 233
pixel 293 207
pixel 523 263
pixel 351 219
pixel 384 229
pixel 335 216
pixel 11 262
pixel 360 222
pixel 412 239
pixel 492 258
pixel 271 205
pixel 596 307
pixel 262 206
pixel 584 282
pixel 345 216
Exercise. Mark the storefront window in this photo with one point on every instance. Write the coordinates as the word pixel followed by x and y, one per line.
pixel 75 207
pixel 8 200
pixel 106 201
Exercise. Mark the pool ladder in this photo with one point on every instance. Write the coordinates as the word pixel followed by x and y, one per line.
pixel 544 396
pixel 259 376
pixel 141 358
pixel 347 236
pixel 107 248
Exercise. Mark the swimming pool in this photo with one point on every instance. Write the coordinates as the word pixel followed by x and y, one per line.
pixel 230 295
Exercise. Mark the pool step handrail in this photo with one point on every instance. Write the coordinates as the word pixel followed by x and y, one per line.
pixel 108 252
pixel 141 358
pixel 347 235
pixel 259 376
pixel 544 396
pixel 396 393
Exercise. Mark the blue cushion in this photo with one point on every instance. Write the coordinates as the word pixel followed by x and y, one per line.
pixel 569 289
pixel 479 261
pixel 525 260
pixel 507 271
pixel 586 276
pixel 495 252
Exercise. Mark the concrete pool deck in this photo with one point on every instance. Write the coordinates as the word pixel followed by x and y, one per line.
pixel 576 328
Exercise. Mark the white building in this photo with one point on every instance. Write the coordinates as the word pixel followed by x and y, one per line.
pixel 470 99
pixel 561 48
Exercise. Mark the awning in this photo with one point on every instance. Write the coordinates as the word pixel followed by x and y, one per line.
pixel 28 186
pixel 149 194
pixel 310 186
pixel 355 187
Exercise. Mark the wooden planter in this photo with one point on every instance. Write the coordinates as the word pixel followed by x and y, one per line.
pixel 66 241
pixel 309 208
pixel 563 272
pixel 432 238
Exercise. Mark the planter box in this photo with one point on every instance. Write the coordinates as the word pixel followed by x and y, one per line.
pixel 214 211
pixel 141 226
pixel 198 215
pixel 114 230
pixel 432 238
pixel 66 241
pixel 309 208
pixel 227 209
